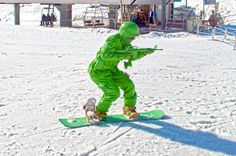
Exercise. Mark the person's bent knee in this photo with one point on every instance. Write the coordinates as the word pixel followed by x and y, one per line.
pixel 115 95
pixel 130 86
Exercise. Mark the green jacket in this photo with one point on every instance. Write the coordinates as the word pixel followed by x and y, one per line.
pixel 109 55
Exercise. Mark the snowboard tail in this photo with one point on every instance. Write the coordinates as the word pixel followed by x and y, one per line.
pixel 83 121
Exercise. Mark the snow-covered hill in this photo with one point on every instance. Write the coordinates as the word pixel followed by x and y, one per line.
pixel 43 76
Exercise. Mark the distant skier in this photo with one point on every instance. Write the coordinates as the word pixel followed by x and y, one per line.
pixel 104 72
pixel 43 20
pixel 53 19
pixel 212 19
pixel 48 19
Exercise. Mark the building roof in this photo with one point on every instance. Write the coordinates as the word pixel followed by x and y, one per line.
pixel 125 2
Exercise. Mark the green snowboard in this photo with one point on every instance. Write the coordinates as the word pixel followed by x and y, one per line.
pixel 82 121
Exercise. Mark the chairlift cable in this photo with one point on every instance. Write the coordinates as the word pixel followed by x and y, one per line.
pixel 168 2
pixel 133 2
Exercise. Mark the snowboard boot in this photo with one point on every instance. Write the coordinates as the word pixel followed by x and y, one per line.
pixel 130 112
pixel 101 114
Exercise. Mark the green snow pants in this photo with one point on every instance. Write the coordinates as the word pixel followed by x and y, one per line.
pixel 110 82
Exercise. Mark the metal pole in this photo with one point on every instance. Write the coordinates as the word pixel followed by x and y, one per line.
pixel 213 33
pixel 17 14
pixel 49 6
pixel 163 15
pixel 235 42
pixel 203 11
pixel 198 30
pixel 225 34
pixel 122 13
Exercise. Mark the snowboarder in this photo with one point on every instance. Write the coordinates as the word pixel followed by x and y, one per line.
pixel 104 72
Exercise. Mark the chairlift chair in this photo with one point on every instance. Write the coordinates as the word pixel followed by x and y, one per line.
pixel 93 16
pixel 48 10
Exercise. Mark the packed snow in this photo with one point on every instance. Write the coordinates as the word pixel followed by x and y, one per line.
pixel 43 77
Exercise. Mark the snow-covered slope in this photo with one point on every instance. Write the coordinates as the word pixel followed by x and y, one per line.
pixel 43 76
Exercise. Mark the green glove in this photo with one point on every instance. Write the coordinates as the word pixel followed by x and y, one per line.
pixel 127 64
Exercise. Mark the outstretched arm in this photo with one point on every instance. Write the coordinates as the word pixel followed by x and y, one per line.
pixel 109 51
pixel 137 54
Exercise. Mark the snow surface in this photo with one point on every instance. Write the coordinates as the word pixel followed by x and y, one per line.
pixel 43 77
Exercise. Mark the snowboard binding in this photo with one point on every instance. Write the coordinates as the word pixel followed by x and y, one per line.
pixel 89 109
pixel 131 112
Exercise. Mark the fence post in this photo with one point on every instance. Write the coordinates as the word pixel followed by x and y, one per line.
pixel 235 42
pixel 213 33
pixel 198 30
pixel 225 34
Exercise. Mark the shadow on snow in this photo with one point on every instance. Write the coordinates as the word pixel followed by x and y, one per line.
pixel 200 139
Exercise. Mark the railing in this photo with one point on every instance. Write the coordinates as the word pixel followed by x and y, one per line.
pixel 229 35
pixel 235 42
pixel 224 33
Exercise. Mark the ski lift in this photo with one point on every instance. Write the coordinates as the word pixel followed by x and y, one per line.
pixel 93 16
pixel 46 12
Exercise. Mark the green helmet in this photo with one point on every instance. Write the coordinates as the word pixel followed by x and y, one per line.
pixel 129 29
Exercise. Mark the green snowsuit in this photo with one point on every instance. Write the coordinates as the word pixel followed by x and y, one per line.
pixel 104 72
